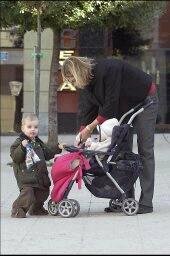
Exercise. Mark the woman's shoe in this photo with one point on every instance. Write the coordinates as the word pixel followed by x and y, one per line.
pixel 144 209
pixel 116 208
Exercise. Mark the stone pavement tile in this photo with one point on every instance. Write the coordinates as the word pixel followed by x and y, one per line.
pixel 44 235
pixel 112 246
pixel 154 230
pixel 116 234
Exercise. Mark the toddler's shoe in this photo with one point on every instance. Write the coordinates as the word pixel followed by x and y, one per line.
pixel 40 211
pixel 144 209
pixel 18 213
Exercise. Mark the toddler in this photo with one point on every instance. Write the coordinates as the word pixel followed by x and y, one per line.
pixel 29 155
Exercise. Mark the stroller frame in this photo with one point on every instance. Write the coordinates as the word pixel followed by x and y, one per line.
pixel 70 207
pixel 143 107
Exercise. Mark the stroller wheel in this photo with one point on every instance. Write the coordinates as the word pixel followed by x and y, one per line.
pixel 77 207
pixel 66 208
pixel 115 205
pixel 130 206
pixel 52 208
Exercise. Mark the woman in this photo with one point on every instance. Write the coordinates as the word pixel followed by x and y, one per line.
pixel 109 88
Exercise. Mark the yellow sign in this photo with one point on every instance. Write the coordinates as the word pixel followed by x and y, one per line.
pixel 64 54
pixel 66 86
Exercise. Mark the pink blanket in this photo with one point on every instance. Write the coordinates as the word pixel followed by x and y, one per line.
pixel 63 172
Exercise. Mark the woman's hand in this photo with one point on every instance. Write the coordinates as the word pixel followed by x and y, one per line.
pixel 85 134
pixel 82 137
pixel 88 142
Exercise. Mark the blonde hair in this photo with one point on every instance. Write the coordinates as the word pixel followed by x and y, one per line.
pixel 30 117
pixel 80 68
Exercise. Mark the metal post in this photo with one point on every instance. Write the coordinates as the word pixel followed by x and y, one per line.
pixel 37 55
pixel 35 82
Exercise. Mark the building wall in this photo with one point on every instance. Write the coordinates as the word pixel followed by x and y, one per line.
pixel 164 57
pixel 11 70
pixel 67 99
pixel 7 113
pixel 154 61
pixel 30 40
pixel 5 38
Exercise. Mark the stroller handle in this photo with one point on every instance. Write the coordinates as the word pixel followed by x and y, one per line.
pixel 140 111
pixel 85 151
pixel 71 148
pixel 136 113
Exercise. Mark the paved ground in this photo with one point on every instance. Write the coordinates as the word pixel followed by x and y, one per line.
pixel 93 231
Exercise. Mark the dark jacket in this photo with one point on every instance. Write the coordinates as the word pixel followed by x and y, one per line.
pixel 38 175
pixel 115 88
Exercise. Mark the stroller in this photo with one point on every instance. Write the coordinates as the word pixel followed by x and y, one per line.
pixel 110 174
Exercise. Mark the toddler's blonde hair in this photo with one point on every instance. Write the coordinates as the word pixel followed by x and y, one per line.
pixel 30 117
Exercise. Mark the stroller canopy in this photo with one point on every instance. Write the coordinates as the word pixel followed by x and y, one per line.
pixel 64 170
pixel 120 137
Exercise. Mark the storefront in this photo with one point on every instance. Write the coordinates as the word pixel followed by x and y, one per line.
pixel 11 106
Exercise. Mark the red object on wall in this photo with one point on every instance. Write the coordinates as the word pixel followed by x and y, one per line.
pixel 164 31
pixel 67 101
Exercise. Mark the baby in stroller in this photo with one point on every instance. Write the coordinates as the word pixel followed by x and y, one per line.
pixel 105 132
pixel 110 174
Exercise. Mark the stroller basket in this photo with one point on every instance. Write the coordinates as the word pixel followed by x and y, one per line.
pixel 124 171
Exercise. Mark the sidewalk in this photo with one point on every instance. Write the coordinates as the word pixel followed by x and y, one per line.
pixel 93 231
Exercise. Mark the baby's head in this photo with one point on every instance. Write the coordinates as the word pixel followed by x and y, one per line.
pixel 107 127
pixel 30 125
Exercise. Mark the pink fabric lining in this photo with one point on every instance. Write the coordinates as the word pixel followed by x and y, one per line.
pixel 62 174
pixel 152 89
pixel 101 119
